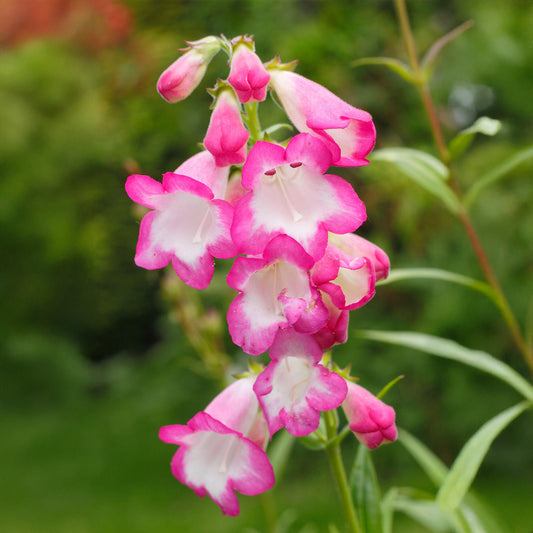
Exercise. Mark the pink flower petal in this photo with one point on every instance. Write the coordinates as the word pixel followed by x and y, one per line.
pixel 294 387
pixel 348 132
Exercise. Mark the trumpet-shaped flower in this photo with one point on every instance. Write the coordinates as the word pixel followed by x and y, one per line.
pixel 348 132
pixel 356 246
pixel 336 329
pixel 226 136
pixel 186 226
pixel 371 420
pixel 248 76
pixel 180 79
pixel 290 194
pixel 294 388
pixel 221 449
pixel 349 269
pixel 275 292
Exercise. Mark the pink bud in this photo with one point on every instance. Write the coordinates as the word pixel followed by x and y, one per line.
pixel 226 136
pixel 371 420
pixel 180 79
pixel 248 76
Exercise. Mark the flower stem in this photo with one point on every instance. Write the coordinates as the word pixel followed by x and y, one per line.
pixel 269 512
pixel 339 473
pixel 251 119
pixel 481 256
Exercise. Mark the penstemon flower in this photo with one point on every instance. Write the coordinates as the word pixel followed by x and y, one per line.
pixel 294 388
pixel 186 226
pixel 275 292
pixel 349 269
pixel 292 195
pixel 221 449
pixel 335 331
pixel 348 132
pixel 299 273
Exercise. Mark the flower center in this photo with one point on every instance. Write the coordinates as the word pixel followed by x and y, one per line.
pixel 280 176
pixel 198 235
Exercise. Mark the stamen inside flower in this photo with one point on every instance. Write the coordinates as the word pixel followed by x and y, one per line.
pixel 198 235
pixel 226 457
pixel 279 176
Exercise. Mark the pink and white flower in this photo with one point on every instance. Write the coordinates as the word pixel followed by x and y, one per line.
pixel 371 420
pixel 248 76
pixel 186 226
pixel 275 292
pixel 294 388
pixel 180 79
pixel 348 270
pixel 348 132
pixel 226 135
pixel 336 329
pixel 356 246
pixel 221 449
pixel 290 194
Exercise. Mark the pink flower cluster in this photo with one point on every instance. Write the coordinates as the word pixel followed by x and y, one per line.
pixel 298 269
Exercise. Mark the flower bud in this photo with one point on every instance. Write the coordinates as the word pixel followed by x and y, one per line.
pixel 226 136
pixel 180 79
pixel 371 420
pixel 248 76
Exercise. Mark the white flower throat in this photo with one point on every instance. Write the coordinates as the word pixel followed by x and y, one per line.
pixel 280 176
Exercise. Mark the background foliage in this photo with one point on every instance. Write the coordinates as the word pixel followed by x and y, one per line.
pixel 92 362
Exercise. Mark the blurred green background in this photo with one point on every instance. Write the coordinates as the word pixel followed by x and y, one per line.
pixel 92 362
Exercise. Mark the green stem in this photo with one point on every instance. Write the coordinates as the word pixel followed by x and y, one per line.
pixel 269 512
pixel 339 473
pixel 481 256
pixel 251 119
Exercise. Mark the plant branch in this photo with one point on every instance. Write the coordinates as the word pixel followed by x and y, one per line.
pixel 444 154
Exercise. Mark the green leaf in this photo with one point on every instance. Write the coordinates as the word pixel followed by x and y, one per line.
pixel 424 169
pixel 434 468
pixel 472 515
pixel 431 55
pixel 400 274
pixel 451 350
pixel 421 507
pixel 395 65
pixel 465 467
pixel 497 174
pixel 484 125
pixel 365 492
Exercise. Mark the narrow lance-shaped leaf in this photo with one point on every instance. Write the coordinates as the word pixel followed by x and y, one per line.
pixel 428 61
pixel 394 64
pixel 365 492
pixel 472 515
pixel 497 174
pixel 465 467
pixel 484 125
pixel 434 468
pixel 400 274
pixel 424 169
pixel 451 350
pixel 421 507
